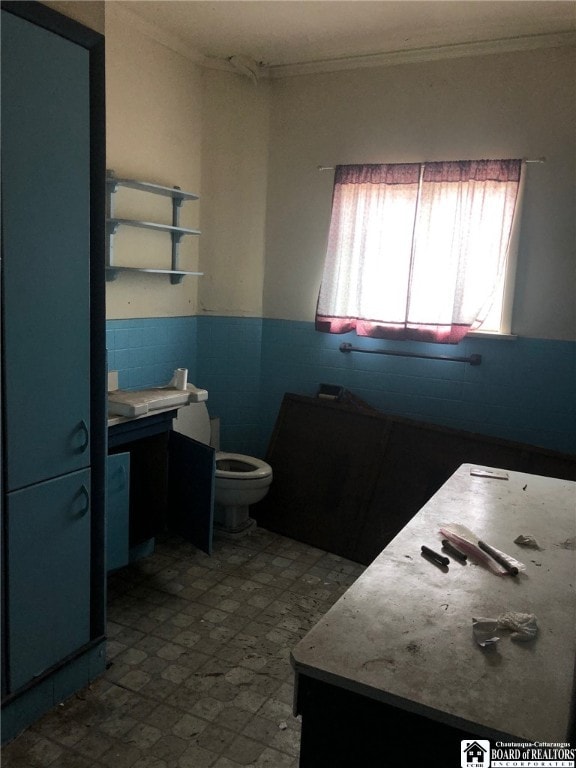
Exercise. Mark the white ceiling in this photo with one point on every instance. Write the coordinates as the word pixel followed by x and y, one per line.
pixel 284 34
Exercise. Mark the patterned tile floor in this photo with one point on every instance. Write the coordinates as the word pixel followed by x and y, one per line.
pixel 199 673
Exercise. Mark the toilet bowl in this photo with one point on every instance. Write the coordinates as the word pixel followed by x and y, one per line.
pixel 240 480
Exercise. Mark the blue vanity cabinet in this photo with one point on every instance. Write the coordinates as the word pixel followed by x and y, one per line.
pixel 171 483
pixel 117 511
pixel 53 360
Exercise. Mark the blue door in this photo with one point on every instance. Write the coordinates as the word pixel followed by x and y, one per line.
pixel 117 511
pixel 48 546
pixel 191 475
pixel 45 136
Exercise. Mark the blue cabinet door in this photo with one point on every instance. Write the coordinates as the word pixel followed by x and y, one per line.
pixel 48 545
pixel 117 511
pixel 45 135
pixel 191 477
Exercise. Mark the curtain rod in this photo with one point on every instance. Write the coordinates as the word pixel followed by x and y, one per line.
pixel 332 168
pixel 472 360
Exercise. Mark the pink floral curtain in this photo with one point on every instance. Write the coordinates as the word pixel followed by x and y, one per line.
pixel 416 251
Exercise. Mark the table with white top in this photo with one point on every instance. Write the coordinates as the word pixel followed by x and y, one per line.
pixel 394 662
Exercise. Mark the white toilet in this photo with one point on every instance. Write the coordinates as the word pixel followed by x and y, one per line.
pixel 240 480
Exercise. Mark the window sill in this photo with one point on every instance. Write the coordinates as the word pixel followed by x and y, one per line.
pixel 491 335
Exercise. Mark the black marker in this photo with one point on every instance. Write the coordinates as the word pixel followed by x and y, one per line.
pixel 453 551
pixel 438 559
pixel 499 559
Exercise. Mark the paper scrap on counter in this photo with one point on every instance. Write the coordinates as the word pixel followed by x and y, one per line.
pixel 485 631
pixel 495 474
pixel 526 540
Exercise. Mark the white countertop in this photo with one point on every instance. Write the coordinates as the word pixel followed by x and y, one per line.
pixel 402 634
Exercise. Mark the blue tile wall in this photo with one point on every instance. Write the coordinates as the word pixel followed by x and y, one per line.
pixel 229 367
pixel 524 390
pixel 146 351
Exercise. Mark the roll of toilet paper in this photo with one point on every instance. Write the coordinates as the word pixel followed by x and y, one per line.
pixel 180 378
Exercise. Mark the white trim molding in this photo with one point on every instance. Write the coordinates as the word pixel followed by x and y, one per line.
pixel 377 59
pixel 408 56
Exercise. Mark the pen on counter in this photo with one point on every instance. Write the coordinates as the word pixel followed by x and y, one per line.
pixel 434 556
pixel 453 551
pixel 498 557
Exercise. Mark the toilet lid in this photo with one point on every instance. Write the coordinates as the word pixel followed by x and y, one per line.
pixel 193 421
pixel 254 467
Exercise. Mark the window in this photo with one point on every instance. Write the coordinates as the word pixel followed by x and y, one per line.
pixel 420 250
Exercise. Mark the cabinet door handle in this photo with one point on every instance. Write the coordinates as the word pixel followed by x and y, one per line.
pixel 84 428
pixel 84 493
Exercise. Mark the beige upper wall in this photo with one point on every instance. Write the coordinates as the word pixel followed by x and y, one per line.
pixel 506 105
pixel 235 143
pixel 170 122
pixel 252 155
pixel 153 133
pixel 88 12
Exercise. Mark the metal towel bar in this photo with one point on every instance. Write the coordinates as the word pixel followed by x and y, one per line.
pixel 472 359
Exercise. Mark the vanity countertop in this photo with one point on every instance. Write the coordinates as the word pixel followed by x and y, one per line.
pixel 141 402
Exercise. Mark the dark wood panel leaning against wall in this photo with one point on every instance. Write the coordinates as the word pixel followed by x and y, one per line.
pixel 348 478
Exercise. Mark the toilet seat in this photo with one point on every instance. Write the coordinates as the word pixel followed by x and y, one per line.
pixel 241 467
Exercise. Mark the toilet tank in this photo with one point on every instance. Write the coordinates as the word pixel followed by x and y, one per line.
pixel 193 421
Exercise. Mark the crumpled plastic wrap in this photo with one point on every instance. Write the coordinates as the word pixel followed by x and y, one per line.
pixel 524 627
